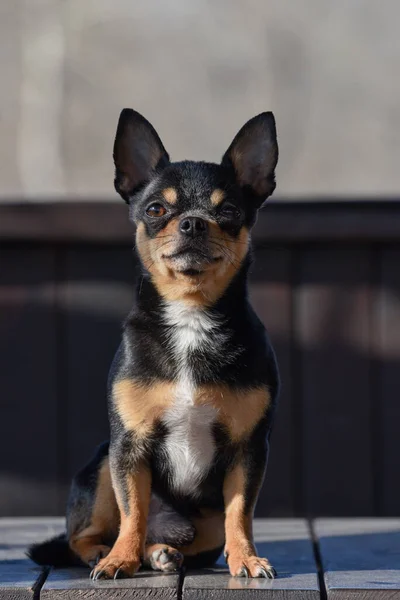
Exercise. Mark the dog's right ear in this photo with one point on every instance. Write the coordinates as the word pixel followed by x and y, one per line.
pixel 253 155
pixel 138 153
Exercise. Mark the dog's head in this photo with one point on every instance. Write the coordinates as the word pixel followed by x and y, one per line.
pixel 193 218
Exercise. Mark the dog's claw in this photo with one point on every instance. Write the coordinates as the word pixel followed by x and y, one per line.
pixel 268 572
pixel 119 574
pixel 244 572
pixel 99 575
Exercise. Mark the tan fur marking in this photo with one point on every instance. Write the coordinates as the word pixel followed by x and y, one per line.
pixel 133 525
pixel 129 547
pixel 89 549
pixel 239 546
pixel 217 196
pixel 199 290
pixel 210 533
pixel 170 195
pixel 238 524
pixel 140 406
pixel 235 251
pixel 238 410
pixel 104 522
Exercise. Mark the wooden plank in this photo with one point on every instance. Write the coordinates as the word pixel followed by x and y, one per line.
pixel 95 297
pixel 282 221
pixel 360 558
pixel 75 583
pixel 16 533
pixel 326 220
pixel 28 424
pixel 19 577
pixel 387 402
pixel 332 332
pixel 271 296
pixel 105 222
pixel 288 546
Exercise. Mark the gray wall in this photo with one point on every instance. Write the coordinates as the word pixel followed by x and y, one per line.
pixel 198 69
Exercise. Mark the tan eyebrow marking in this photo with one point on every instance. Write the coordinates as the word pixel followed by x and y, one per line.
pixel 170 194
pixel 217 196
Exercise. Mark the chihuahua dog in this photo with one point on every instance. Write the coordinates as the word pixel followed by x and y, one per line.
pixel 193 387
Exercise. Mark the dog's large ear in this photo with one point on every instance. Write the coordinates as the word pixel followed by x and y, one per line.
pixel 138 153
pixel 253 155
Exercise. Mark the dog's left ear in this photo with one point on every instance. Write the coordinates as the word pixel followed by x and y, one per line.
pixel 138 153
pixel 253 155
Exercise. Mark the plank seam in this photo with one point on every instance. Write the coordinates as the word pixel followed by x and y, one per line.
pixel 297 395
pixel 39 583
pixel 318 560
pixel 179 591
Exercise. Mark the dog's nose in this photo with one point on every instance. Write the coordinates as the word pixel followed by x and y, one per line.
pixel 193 226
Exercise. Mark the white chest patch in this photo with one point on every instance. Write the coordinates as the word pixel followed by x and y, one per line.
pixel 190 445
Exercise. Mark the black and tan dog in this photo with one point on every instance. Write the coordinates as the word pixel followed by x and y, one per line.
pixel 193 387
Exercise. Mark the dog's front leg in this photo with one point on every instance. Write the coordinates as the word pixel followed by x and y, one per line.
pixel 132 484
pixel 241 487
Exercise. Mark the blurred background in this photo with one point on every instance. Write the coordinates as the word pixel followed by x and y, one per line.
pixel 326 280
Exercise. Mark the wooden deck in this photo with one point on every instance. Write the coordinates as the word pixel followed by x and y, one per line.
pixel 328 558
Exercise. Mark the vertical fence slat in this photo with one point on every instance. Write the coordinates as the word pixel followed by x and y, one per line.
pixel 333 312
pixel 28 433
pixel 271 297
pixel 389 400
pixel 96 296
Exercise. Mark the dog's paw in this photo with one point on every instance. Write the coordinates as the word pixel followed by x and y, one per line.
pixel 251 566
pixel 113 567
pixel 165 558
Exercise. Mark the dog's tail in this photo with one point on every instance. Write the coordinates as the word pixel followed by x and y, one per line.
pixel 54 552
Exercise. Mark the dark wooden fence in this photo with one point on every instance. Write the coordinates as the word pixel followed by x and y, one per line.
pixel 326 282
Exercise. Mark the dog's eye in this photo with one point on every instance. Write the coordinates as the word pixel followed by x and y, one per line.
pixel 155 210
pixel 230 212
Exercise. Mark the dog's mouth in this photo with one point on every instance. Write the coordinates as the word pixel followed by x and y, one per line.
pixel 191 261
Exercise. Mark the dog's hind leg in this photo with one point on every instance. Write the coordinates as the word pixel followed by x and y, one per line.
pixel 166 529
pixel 161 557
pixel 174 540
pixel 93 517
pixel 208 542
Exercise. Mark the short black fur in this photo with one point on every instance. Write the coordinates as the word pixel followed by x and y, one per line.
pixel 237 355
